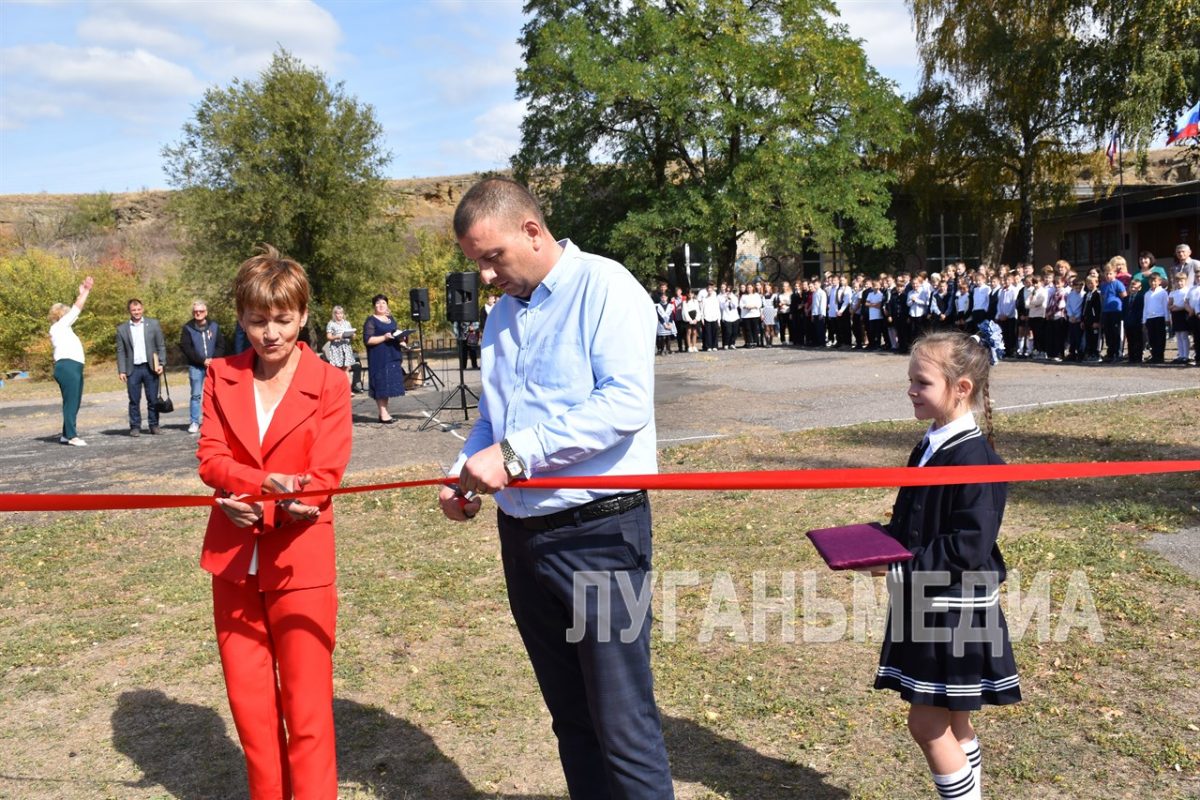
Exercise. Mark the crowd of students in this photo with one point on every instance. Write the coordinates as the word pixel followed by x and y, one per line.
pixel 1054 314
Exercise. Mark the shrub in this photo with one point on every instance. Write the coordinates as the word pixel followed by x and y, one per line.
pixel 33 280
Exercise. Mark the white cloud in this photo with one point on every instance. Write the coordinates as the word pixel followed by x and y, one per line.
pixel 121 73
pixel 18 110
pixel 496 138
pixel 244 35
pixel 469 80
pixel 115 30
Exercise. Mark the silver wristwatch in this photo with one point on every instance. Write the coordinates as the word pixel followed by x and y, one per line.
pixel 513 464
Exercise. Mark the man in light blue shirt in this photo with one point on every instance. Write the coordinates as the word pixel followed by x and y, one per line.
pixel 568 390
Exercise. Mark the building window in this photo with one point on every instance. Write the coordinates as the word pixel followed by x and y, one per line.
pixel 1090 247
pixel 951 241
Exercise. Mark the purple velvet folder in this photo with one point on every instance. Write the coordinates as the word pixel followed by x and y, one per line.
pixel 857 546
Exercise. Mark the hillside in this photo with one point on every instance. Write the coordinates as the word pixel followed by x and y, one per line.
pixel 42 219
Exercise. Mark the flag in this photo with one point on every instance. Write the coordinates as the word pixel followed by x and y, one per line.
pixel 1187 126
pixel 1113 150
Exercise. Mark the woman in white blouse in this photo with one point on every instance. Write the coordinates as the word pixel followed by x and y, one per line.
pixel 68 361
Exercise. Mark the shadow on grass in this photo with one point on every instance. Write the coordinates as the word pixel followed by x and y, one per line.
pixel 735 771
pixel 180 746
pixel 186 749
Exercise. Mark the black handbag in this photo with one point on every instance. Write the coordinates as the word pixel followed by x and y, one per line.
pixel 163 404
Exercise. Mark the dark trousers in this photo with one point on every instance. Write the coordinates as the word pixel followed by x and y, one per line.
pixel 1156 332
pixel 139 377
pixel 859 325
pixel 903 333
pixel 842 329
pixel 796 328
pixel 876 333
pixel 784 318
pixel 1008 331
pixel 918 326
pixel 1091 341
pixel 681 330
pixel 1075 338
pixel 1134 343
pixel 728 333
pixel 599 689
pixel 817 336
pixel 1037 326
pixel 1059 330
pixel 710 334
pixel 1110 322
pixel 68 374
pixel 466 351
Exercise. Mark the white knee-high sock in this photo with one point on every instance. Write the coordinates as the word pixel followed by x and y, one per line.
pixel 975 759
pixel 959 785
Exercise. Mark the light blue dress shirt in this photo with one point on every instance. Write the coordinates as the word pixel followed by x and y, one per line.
pixel 568 379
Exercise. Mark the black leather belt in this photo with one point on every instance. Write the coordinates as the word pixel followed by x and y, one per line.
pixel 597 509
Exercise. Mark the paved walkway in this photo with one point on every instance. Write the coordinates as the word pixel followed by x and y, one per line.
pixel 698 396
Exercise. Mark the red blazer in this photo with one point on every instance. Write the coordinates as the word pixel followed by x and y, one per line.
pixel 309 433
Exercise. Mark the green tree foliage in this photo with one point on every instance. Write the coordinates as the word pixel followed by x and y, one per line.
pixel 33 280
pixel 654 123
pixel 289 160
pixel 1140 67
pixel 1016 90
pixel 425 258
pixel 1010 97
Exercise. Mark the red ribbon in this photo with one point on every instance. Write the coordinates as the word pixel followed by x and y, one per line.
pixel 860 478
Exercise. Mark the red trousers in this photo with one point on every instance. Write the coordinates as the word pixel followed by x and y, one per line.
pixel 277 656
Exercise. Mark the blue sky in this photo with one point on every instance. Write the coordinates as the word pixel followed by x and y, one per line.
pixel 90 92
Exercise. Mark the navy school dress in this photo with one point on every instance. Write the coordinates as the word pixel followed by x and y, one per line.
pixel 953 649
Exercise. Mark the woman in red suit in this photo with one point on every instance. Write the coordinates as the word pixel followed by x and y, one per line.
pixel 276 418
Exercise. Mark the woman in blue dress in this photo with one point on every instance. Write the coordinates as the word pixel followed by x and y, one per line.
pixel 385 353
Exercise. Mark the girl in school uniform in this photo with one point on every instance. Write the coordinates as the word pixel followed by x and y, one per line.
pixel 956 656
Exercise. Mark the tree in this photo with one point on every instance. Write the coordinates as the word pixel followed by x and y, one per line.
pixel 1141 66
pixel 652 124
pixel 1010 66
pixel 289 160
pixel 1030 87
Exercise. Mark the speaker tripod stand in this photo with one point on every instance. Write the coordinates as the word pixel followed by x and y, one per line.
pixel 459 393
pixel 423 369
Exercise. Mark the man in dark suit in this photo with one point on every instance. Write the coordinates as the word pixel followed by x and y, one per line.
pixel 141 356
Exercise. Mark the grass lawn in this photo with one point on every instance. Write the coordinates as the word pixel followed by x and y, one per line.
pixel 110 685
pixel 100 377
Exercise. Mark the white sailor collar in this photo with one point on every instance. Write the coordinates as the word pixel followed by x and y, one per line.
pixel 936 438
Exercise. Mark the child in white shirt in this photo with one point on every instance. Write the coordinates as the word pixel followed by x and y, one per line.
pixel 1154 317
pixel 1177 305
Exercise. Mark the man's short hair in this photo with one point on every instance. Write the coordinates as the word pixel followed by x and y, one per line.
pixel 131 301
pixel 498 199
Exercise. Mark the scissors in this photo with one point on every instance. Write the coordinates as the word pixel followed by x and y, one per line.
pixel 462 497
pixel 286 505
